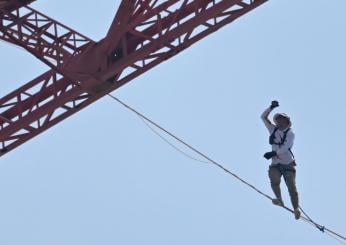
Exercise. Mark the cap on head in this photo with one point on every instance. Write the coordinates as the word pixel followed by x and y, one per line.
pixel 284 116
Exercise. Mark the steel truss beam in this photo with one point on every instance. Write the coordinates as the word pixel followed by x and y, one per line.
pixel 144 34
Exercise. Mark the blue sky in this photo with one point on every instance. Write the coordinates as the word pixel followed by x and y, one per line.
pixel 101 177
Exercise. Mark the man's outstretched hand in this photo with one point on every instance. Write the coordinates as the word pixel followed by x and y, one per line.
pixel 274 104
pixel 270 155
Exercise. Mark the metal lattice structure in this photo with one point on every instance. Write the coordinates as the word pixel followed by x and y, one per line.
pixel 144 33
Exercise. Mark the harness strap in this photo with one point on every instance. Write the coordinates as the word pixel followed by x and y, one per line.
pixel 272 139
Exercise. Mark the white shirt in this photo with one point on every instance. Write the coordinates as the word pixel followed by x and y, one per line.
pixel 284 155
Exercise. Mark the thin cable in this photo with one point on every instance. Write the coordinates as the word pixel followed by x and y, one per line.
pixel 211 161
pixel 189 146
pixel 336 238
pixel 321 228
pixel 329 233
pixel 170 143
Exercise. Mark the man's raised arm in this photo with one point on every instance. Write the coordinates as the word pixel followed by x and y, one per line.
pixel 266 113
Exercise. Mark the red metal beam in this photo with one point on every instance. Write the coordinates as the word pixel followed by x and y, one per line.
pixel 154 32
pixel 47 39
pixel 10 5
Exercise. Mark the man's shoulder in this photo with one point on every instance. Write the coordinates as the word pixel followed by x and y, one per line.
pixel 290 132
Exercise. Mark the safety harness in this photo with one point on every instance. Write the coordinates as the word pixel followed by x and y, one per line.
pixel 272 138
pixel 282 168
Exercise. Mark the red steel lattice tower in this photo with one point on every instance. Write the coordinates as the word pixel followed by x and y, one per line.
pixel 143 34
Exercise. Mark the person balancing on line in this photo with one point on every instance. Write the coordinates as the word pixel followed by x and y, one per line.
pixel 283 163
